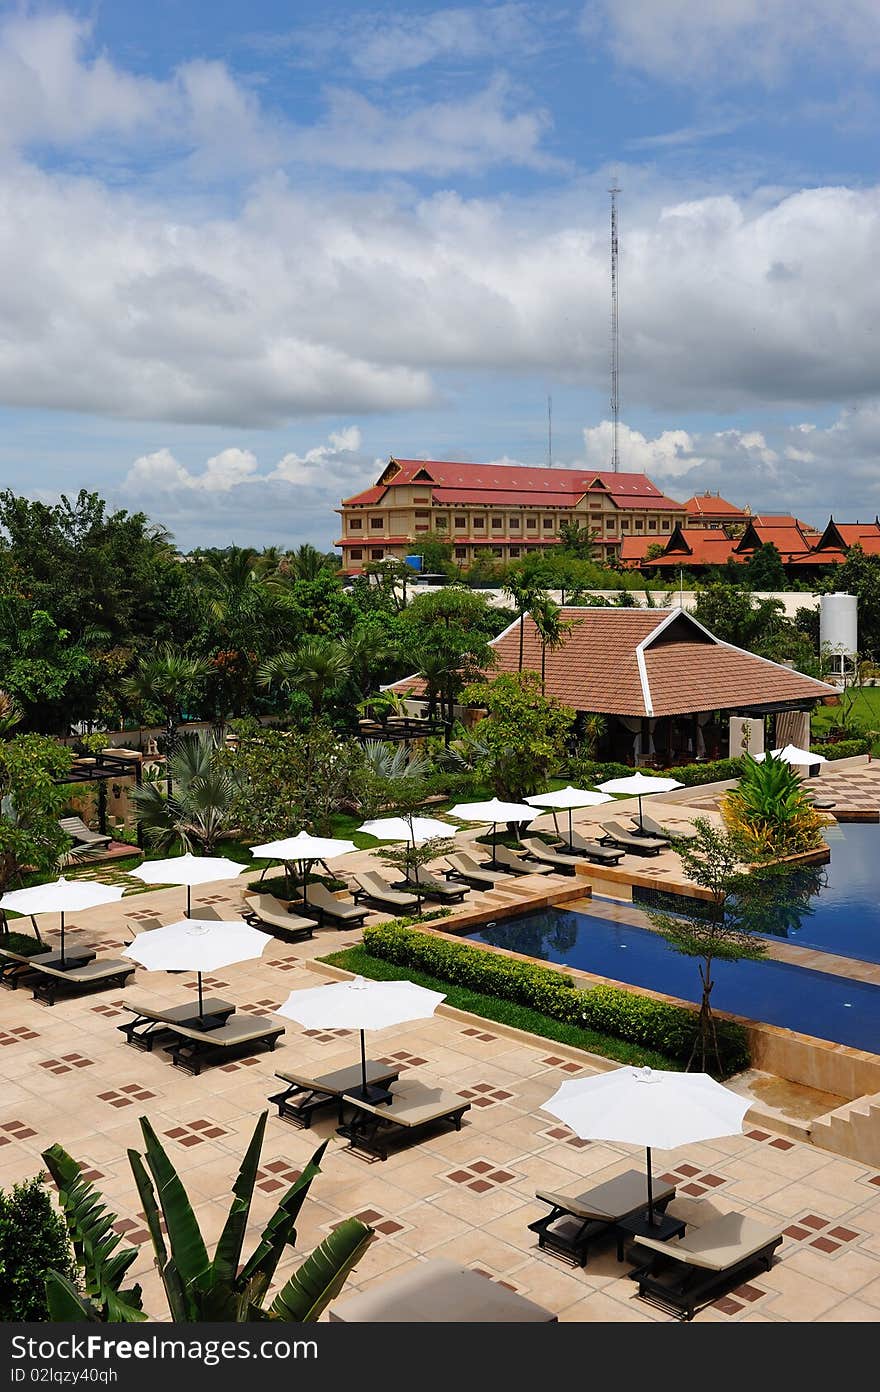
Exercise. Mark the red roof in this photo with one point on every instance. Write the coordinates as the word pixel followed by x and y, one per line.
pixel 647 662
pixel 695 546
pixel 633 548
pixel 367 498
pixel 507 483
pixel 711 505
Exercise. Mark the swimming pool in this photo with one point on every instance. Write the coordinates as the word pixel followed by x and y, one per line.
pixel 812 1002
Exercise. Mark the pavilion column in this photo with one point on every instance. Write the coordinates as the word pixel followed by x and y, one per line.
pixel 102 806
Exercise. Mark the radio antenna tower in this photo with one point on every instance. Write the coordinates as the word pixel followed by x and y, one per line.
pixel 550 432
pixel 615 336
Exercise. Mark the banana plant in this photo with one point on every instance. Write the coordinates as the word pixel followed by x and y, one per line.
pixel 90 1224
pixel 200 1288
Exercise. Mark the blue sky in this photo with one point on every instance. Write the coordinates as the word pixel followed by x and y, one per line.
pixel 247 253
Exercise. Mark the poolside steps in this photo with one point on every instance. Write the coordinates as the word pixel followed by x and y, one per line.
pixel 852 1130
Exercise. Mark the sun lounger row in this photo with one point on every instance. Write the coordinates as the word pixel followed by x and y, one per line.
pixel 305 1094
pixel 411 1108
pixel 48 978
pixel 193 1040
pixel 576 1220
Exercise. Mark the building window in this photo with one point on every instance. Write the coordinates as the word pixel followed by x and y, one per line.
pixel 513 524
pixel 497 524
pixel 355 524
pixel 548 524
pixel 422 527
pixel 532 548
pixel 514 552
pixel 421 498
pixel 441 523
pixel 423 516
pixel 377 554
pixel 498 551
pixel 639 524
pixel 624 526
pixel 531 523
pixel 665 524
pixel 377 524
pixel 479 524
pixel 355 553
pixel 652 524
pixel 460 521
pixel 461 553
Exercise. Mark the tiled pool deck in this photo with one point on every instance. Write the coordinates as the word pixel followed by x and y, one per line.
pixel 68 1076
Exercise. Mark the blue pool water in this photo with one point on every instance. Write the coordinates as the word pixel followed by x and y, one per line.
pixel 812 1002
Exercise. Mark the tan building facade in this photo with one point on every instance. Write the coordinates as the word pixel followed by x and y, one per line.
pixel 498 511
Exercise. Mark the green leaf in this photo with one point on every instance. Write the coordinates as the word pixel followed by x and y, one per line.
pixel 228 1252
pixel 280 1230
pixel 187 1244
pixel 321 1276
pixel 66 1305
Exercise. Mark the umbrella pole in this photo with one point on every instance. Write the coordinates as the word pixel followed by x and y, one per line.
pixel 363 1067
pixel 650 1191
pixel 201 1011
pixel 570 829
pixel 188 902
pixel 62 937
pixel 641 823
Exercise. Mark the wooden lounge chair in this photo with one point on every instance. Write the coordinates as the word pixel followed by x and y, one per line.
pixel 151 1025
pixel 341 913
pixel 652 828
pixel 82 835
pixel 576 1220
pixel 193 1047
pixel 413 1107
pixel 616 835
pixel 17 967
pixel 513 863
pixel 267 911
pixel 438 1291
pixel 48 982
pixel 306 1094
pixel 431 888
pixel 464 867
pixel 681 1275
pixel 591 850
pixel 373 886
pixel 545 855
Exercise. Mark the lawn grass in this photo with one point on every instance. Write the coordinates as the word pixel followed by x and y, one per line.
pixel 358 960
pixel 861 706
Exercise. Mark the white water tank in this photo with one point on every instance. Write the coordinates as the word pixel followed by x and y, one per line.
pixel 838 625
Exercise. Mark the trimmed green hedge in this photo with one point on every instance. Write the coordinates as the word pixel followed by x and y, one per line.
pixel 690 775
pixel 844 749
pixel 23 943
pixel 606 1009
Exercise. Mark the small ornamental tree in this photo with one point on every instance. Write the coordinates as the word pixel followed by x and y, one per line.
pixel 33 1242
pixel 30 804
pixel 288 781
pixel 714 929
pixel 525 733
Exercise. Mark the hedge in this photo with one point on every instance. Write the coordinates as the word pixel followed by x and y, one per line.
pixel 845 749
pixel 22 943
pixel 716 771
pixel 670 1029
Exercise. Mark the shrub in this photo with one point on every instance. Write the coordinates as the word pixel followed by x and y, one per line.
pixel 608 1009
pixel 843 749
pixel 33 1240
pixel 21 942
pixel 716 771
pixel 771 810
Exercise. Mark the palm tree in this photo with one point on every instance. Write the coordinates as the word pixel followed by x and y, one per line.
pixel 166 679
pixel 249 600
pixel 307 562
pixel 317 666
pixel 546 615
pixel 201 808
pixel 525 594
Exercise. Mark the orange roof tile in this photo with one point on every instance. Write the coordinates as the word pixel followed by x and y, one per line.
pixel 482 483
pixel 710 505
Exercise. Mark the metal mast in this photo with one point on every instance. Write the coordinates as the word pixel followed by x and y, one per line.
pixel 615 343
pixel 550 432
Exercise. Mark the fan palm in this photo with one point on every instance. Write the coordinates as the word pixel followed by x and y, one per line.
pixel 315 667
pixel 165 680
pixel 200 810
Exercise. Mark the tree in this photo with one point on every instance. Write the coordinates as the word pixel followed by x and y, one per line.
pixel 713 929
pixel 577 539
pixel 163 681
pixel 197 1288
pixel 860 575
pixel 33 1241
pixel 249 609
pixel 759 625
pixel 31 802
pixel 317 667
pixel 307 563
pixel 546 615
pixel 406 796
pixel 51 676
pixel 446 636
pixel 771 811
pixel 764 569
pixel 287 781
pixel 200 810
pixel 526 594
pixel 435 549
pixel 525 733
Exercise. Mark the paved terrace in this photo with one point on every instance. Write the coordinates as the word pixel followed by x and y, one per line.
pixel 69 1077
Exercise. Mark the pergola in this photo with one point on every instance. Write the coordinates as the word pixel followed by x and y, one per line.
pixel 100 770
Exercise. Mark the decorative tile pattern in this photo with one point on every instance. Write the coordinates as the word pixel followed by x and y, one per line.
pixel 239 1063
pixel 17 1034
pixel 327 1036
pixel 66 1063
pixel 562 1133
pixel 261 1007
pixel 484 1095
pixel 126 1096
pixel 108 1009
pixel 284 964
pixel 278 1174
pixel 482 1035
pixel 822 1234
pixel 777 1142
pixel 698 1181
pixel 194 1132
pixel 480 1176
pixel 403 1061
pixel 15 1130
pixel 213 982
pixel 564 1065
pixel 491 1276
pixel 374 1218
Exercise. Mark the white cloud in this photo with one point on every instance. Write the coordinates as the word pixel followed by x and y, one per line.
pixel 727 42
pixel 382 44
pixel 161 472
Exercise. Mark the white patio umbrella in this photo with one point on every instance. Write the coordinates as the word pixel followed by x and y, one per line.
pixel 640 785
pixel 649 1107
pixel 792 755
pixel 194 944
pixel 398 829
pixel 493 811
pixel 569 798
pixel 187 870
pixel 60 896
pixel 361 1005
pixel 303 850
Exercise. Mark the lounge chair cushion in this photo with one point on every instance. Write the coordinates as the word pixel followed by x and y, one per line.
pixel 240 1029
pixel 440 1292
pixel 274 914
pixel 615 1199
pixel 176 1014
pixel 341 1080
pixel 719 1244
pixel 97 970
pixel 318 897
pixel 375 887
